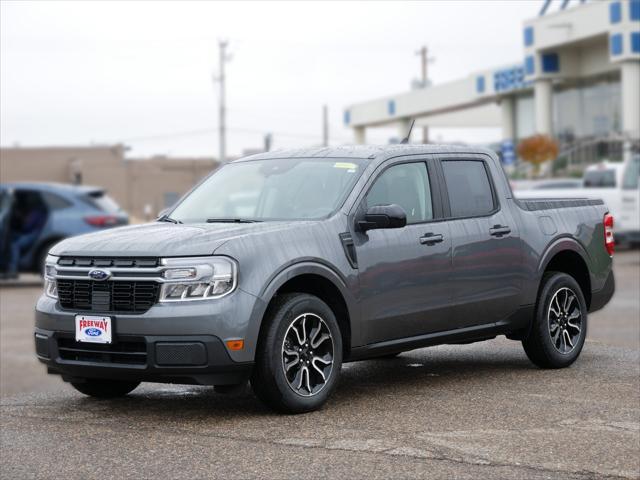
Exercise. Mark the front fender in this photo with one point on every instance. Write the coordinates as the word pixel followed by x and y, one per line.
pixel 294 269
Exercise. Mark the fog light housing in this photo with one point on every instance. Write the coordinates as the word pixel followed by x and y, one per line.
pixel 50 288
pixel 50 285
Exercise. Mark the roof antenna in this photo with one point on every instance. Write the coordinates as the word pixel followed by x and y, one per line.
pixel 405 140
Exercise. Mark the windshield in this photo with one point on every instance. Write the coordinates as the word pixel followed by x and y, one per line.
pixel 600 179
pixel 279 189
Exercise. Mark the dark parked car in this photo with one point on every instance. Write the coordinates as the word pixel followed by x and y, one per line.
pixel 281 266
pixel 62 211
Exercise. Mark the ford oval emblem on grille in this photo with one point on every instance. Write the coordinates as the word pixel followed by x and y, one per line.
pixel 99 275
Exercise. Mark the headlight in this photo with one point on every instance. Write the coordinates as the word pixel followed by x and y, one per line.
pixel 50 287
pixel 197 278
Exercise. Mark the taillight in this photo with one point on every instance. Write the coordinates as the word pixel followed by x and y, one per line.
pixel 608 234
pixel 101 220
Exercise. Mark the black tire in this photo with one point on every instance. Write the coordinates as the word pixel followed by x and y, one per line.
pixel 555 341
pixel 269 381
pixel 104 388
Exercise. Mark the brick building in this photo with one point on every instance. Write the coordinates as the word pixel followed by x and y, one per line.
pixel 139 185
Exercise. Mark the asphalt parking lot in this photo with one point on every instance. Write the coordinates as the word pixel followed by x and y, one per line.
pixel 474 411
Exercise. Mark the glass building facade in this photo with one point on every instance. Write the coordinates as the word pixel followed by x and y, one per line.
pixel 590 109
pixel 580 110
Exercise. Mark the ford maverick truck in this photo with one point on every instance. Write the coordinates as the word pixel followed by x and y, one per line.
pixel 279 267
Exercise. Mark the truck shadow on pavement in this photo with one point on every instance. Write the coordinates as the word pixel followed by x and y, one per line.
pixel 362 383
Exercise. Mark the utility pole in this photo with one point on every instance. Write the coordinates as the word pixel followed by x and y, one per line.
pixel 222 111
pixel 424 57
pixel 325 126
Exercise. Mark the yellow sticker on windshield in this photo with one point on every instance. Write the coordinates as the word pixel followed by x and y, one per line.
pixel 347 165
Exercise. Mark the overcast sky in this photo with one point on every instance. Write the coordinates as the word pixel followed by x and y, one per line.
pixel 141 73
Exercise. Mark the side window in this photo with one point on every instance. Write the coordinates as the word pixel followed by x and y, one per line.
pixel 406 185
pixel 55 202
pixel 469 188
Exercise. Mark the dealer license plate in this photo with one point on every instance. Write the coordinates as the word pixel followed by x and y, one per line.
pixel 93 329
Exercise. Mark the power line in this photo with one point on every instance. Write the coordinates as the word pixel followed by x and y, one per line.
pixel 208 131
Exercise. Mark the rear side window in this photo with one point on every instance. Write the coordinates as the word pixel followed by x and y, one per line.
pixel 468 187
pixel 55 202
pixel 406 185
pixel 600 179
pixel 102 201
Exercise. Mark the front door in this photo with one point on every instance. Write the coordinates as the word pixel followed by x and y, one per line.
pixel 404 272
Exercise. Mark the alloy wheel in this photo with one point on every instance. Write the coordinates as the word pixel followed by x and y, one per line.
pixel 565 320
pixel 307 354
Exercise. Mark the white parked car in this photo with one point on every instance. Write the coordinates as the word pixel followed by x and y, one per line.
pixel 614 182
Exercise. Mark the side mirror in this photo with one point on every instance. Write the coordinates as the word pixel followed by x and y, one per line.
pixel 383 216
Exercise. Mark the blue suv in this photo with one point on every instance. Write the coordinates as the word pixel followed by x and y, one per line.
pixel 42 214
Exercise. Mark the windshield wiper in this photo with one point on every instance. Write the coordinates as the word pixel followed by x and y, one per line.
pixel 230 220
pixel 167 218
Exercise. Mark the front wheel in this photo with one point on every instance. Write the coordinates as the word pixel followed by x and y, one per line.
pixel 104 388
pixel 299 354
pixel 559 328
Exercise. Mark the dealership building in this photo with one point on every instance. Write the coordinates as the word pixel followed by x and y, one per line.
pixel 578 81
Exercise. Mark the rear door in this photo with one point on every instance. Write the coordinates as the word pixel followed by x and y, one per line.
pixel 486 276
pixel 404 272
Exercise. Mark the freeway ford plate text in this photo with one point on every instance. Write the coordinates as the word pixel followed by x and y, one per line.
pixel 93 329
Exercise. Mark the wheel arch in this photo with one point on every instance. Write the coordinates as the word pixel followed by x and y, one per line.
pixel 567 256
pixel 319 280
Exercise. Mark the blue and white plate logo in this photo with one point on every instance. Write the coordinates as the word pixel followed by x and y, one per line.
pixel 93 332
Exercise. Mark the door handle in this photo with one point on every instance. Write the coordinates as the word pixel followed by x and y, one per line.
pixel 431 239
pixel 499 230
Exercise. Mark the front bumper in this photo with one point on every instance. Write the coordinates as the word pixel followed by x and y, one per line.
pixel 198 360
pixel 170 343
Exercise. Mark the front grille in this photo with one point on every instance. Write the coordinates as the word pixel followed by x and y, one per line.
pixel 122 262
pixel 130 352
pixel 110 296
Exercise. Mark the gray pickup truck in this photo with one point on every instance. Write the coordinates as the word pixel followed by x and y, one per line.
pixel 279 267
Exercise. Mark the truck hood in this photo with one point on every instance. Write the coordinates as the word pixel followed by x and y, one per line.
pixel 161 239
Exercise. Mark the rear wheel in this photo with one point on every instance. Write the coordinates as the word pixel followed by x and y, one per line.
pixel 299 354
pixel 104 388
pixel 560 325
